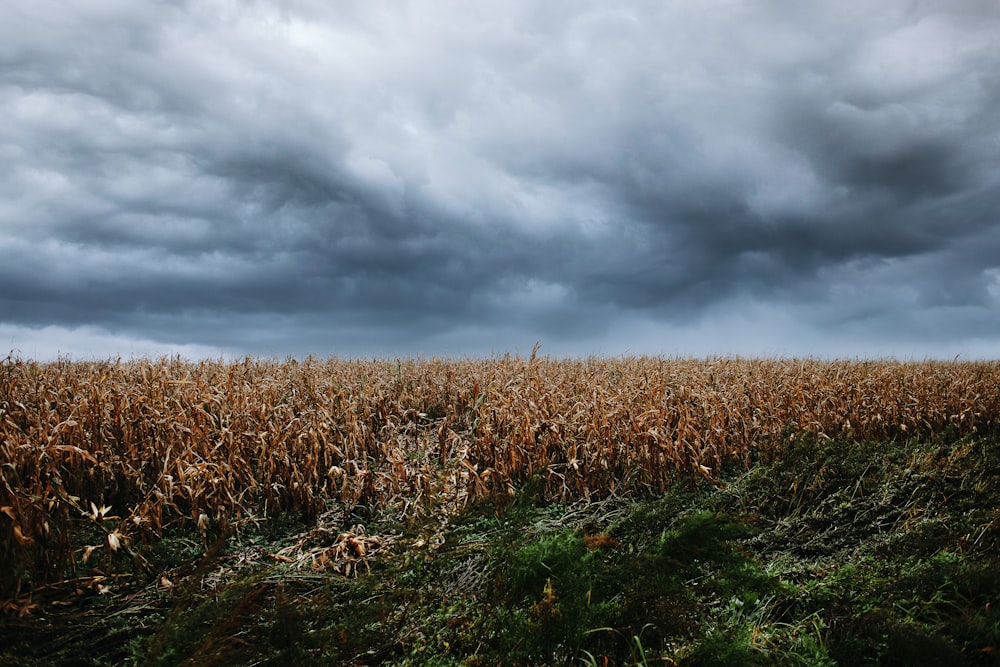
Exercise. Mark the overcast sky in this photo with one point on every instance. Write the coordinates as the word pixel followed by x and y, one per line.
pixel 444 177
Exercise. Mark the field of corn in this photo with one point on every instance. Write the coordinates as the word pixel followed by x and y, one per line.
pixel 99 459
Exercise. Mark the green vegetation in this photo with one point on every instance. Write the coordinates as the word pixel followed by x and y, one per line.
pixel 829 552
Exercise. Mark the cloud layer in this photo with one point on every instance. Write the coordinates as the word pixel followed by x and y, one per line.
pixel 417 177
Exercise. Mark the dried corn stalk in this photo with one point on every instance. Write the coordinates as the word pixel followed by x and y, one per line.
pixel 175 445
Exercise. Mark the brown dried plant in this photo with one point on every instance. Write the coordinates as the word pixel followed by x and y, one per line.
pixel 207 446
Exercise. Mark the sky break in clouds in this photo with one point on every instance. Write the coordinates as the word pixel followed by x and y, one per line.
pixel 426 177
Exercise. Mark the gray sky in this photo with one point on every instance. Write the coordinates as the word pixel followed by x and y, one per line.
pixel 438 177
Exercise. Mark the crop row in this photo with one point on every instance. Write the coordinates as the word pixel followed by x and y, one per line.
pixel 106 456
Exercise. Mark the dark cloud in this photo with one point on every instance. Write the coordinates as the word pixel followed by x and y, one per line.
pixel 384 178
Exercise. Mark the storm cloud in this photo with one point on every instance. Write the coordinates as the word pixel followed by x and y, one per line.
pixel 428 177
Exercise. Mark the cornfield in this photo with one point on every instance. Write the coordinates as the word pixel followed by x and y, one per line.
pixel 107 456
